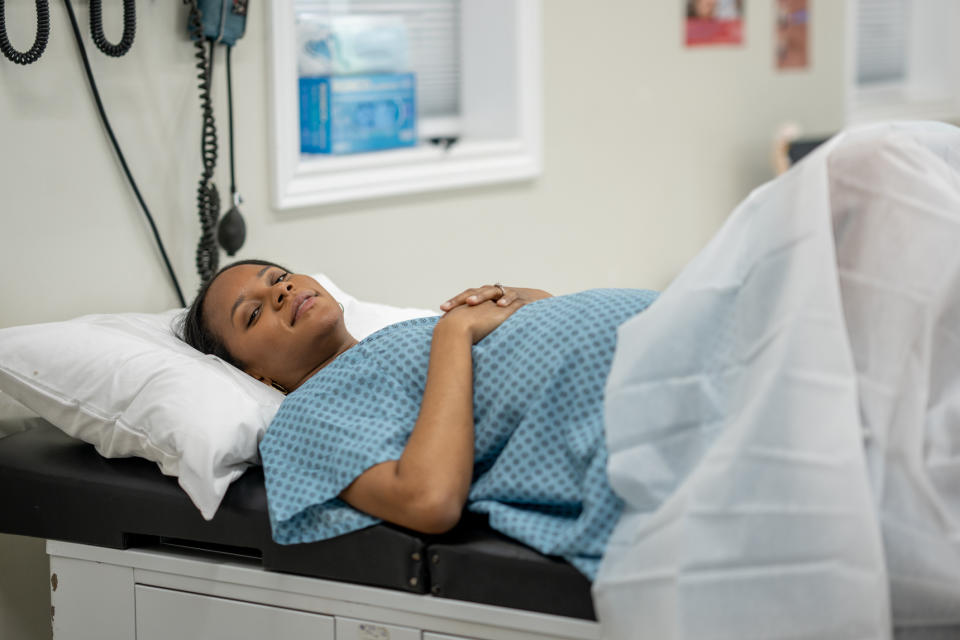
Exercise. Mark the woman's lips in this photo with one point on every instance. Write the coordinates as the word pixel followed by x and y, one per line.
pixel 303 303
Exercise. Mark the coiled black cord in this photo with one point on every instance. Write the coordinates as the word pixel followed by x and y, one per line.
pixel 39 43
pixel 129 28
pixel 208 198
pixel 116 148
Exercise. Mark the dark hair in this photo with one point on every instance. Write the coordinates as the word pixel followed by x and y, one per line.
pixel 194 329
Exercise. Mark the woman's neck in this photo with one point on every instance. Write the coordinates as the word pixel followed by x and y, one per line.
pixel 348 342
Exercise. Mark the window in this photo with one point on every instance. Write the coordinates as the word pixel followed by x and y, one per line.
pixel 903 60
pixel 479 76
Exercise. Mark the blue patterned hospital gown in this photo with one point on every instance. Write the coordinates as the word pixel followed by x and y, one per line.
pixel 539 456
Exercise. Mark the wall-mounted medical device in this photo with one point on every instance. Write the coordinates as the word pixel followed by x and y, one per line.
pixel 210 21
pixel 216 22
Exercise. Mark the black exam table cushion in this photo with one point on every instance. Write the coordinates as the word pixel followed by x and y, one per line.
pixel 480 565
pixel 60 488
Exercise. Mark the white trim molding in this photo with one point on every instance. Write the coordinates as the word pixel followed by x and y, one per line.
pixel 500 121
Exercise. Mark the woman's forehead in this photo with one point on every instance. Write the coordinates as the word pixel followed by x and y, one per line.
pixel 236 278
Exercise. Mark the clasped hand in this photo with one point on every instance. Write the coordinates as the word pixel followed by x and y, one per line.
pixel 480 310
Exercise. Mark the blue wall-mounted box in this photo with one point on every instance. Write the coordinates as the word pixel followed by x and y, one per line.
pixel 351 114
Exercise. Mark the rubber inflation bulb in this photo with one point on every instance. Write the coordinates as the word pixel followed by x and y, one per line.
pixel 232 231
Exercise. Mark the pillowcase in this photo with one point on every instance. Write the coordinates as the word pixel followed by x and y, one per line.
pixel 127 385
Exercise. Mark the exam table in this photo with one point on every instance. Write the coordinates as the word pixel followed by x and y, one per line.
pixel 131 557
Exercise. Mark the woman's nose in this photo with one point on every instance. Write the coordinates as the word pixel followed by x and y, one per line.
pixel 282 290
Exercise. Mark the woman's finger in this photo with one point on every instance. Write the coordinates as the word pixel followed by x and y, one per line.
pixel 508 298
pixel 479 294
pixel 464 297
pixel 486 292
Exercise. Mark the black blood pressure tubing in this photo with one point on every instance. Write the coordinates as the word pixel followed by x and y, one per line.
pixel 39 43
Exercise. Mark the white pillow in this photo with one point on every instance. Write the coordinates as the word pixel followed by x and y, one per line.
pixel 127 385
pixel 14 417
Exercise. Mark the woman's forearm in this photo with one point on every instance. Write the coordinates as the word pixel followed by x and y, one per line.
pixel 437 463
pixel 427 487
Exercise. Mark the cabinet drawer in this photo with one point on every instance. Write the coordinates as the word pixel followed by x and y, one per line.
pixel 163 614
pixel 350 629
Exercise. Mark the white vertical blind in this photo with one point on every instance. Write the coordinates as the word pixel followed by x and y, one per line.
pixel 882 40
pixel 434 31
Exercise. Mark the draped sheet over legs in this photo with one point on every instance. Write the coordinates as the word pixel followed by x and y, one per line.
pixel 784 423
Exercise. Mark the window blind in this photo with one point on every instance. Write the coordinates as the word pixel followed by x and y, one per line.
pixel 433 27
pixel 882 28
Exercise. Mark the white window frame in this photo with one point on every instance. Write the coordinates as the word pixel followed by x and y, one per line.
pixel 500 122
pixel 931 89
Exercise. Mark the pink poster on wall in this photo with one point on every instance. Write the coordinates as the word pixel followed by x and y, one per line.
pixel 793 16
pixel 713 22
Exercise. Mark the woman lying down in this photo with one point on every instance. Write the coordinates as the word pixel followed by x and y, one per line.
pixel 496 406
pixel 782 424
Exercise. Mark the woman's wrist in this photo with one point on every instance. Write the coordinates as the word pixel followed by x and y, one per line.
pixel 453 328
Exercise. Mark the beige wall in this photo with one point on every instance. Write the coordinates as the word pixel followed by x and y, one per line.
pixel 647 147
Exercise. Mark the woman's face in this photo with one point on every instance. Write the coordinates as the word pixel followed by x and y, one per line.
pixel 280 326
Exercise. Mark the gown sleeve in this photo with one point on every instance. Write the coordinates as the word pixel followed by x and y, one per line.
pixel 350 416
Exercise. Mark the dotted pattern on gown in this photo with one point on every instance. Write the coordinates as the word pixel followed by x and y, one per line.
pixel 540 456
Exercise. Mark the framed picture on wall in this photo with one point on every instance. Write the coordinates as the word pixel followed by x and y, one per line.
pixel 714 22
pixel 792 33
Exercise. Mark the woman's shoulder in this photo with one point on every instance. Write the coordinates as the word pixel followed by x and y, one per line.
pixel 377 350
pixel 400 329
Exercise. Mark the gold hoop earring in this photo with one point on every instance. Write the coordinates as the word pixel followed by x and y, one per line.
pixel 279 387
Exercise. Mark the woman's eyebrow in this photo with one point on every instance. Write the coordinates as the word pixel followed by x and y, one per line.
pixel 239 300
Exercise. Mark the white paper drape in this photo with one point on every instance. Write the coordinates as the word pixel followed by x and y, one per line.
pixel 784 421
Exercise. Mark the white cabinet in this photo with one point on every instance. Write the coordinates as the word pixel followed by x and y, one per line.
pixel 163 614
pixel 164 594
